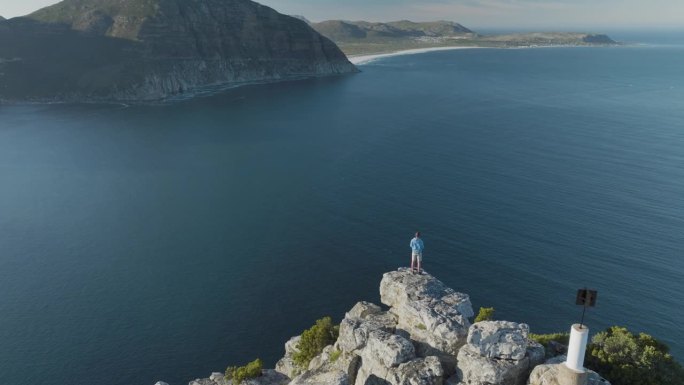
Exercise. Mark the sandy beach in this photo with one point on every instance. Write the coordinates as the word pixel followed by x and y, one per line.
pixel 365 59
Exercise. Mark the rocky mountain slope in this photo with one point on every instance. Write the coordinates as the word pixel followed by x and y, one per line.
pixel 151 49
pixel 424 337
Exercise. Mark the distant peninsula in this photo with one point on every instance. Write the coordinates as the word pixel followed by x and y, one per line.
pixel 139 50
pixel 364 38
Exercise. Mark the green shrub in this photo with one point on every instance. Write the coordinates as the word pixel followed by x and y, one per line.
pixel 624 358
pixel 485 314
pixel 334 355
pixel 421 327
pixel 544 339
pixel 313 340
pixel 239 373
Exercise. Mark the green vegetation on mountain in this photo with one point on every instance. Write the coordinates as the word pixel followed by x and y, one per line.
pixel 237 374
pixel 362 37
pixel 314 339
pixel 151 49
pixel 625 358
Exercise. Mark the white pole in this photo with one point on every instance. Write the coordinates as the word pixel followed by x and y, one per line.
pixel 577 347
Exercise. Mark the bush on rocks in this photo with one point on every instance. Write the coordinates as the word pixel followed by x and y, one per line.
pixel 625 358
pixel 485 314
pixel 240 373
pixel 313 340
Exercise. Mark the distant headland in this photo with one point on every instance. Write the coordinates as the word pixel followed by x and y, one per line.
pixel 131 50
pixel 366 38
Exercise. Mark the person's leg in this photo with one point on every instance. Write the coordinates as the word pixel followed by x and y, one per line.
pixel 413 261
pixel 420 261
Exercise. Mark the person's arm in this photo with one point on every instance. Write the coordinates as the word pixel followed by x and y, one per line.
pixel 412 243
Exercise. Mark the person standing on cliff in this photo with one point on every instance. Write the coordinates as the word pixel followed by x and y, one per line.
pixel 416 253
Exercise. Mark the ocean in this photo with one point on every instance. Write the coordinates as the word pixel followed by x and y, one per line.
pixel 167 241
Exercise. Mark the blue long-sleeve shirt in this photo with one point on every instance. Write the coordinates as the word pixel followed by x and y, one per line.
pixel 417 245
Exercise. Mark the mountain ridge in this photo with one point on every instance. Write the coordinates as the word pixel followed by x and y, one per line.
pixel 129 50
pixel 363 37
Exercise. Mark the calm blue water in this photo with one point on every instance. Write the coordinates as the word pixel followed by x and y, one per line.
pixel 165 242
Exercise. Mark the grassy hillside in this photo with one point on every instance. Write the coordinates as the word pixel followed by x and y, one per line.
pixel 362 37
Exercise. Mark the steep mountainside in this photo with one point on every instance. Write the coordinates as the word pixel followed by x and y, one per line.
pixel 152 49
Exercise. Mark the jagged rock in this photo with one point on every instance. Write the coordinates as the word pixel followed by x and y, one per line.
pixel 359 322
pixel 363 309
pixel 383 352
pixel 322 358
pixel 268 377
pixel 559 374
pixel 557 348
pixel 158 382
pixel 536 353
pixel 474 369
pixel 390 349
pixel 434 315
pixel 286 365
pixel 419 371
pixel 321 377
pixel 499 339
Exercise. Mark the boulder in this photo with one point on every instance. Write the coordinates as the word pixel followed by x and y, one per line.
pixel 158 382
pixel 382 353
pixel 475 369
pixel 268 377
pixel 321 377
pixel 389 349
pixel 499 339
pixel 362 310
pixel 359 322
pixel 559 374
pixel 286 365
pixel 536 353
pixel 432 314
pixel 419 371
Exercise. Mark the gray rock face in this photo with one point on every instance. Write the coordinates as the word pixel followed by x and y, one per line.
pixel 268 377
pixel 389 349
pixel 558 374
pixel 434 315
pixel 158 382
pixel 474 369
pixel 420 371
pixel 499 339
pixel 286 365
pixel 131 50
pixel 536 353
pixel 497 353
pixel 321 377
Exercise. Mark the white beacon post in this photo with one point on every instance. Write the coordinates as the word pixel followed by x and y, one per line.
pixel 579 335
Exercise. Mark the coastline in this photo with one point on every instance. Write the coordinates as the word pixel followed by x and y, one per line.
pixel 365 59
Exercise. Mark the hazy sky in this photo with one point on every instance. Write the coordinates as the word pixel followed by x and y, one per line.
pixel 523 14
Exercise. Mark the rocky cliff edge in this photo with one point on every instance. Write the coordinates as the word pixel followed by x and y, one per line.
pixel 423 337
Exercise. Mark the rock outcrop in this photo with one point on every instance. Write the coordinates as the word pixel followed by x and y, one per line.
pixel 268 377
pixel 431 314
pixel 145 50
pixel 559 374
pixel 423 338
pixel 497 353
